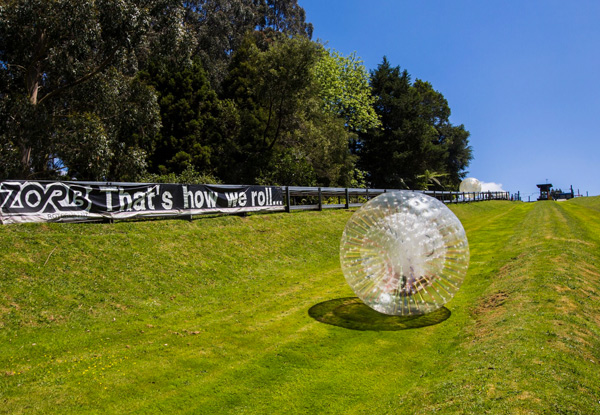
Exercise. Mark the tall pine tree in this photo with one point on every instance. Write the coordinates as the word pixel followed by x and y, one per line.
pixel 417 143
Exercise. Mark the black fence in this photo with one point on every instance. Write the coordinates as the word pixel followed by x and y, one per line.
pixel 54 201
pixel 319 198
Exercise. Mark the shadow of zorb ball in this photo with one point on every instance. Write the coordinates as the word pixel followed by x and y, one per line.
pixel 404 253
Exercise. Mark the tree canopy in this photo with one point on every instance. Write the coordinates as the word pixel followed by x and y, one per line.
pixel 343 84
pixel 68 77
pixel 417 142
pixel 235 90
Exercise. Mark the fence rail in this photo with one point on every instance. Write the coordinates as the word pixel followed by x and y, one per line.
pixel 319 198
pixel 51 201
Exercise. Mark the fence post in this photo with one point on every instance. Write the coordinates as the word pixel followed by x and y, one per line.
pixel 347 198
pixel 367 189
pixel 320 200
pixel 190 217
pixel 289 201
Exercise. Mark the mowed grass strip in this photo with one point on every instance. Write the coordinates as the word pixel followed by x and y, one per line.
pixel 211 316
pixel 530 344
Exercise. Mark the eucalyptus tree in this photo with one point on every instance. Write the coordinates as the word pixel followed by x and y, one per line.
pixel 70 98
pixel 219 27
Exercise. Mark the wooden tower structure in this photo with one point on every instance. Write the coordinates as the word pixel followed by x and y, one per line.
pixel 545 191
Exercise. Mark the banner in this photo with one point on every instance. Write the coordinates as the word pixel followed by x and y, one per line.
pixel 28 201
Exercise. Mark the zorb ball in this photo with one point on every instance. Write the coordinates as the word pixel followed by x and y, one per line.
pixel 404 253
pixel 470 185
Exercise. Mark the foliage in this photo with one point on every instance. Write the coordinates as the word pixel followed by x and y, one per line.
pixel 416 137
pixel 358 179
pixel 430 179
pixel 286 137
pixel 231 89
pixel 51 53
pixel 187 176
pixel 212 316
pixel 219 27
pixel 191 116
pixel 343 85
pixel 85 148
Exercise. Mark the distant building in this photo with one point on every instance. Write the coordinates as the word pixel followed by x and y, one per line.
pixel 560 195
pixel 547 194
pixel 545 191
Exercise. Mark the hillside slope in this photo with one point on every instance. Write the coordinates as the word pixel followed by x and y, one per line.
pixel 214 316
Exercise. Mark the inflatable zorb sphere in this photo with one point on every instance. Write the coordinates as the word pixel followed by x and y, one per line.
pixel 470 184
pixel 404 253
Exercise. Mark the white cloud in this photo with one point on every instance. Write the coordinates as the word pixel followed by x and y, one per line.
pixel 491 187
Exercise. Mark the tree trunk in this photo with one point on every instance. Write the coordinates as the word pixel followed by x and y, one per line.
pixel 32 82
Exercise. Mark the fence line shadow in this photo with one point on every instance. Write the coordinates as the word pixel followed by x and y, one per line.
pixel 352 313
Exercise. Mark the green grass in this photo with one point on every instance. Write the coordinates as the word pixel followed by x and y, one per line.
pixel 228 315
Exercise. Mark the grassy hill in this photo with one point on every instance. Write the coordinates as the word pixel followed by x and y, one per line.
pixel 215 316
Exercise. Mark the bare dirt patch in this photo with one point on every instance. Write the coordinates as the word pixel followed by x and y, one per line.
pixel 561 288
pixel 490 303
pixel 566 305
pixel 513 265
pixel 588 272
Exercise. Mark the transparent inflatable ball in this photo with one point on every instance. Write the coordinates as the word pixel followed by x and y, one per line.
pixel 471 185
pixel 404 253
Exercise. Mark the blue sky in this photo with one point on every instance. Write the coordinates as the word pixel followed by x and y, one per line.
pixel 522 76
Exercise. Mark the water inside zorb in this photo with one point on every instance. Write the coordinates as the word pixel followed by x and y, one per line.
pixel 404 253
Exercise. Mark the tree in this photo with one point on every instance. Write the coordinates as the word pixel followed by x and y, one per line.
pixel 343 84
pixel 287 134
pixel 219 28
pixel 459 153
pixel 74 101
pixel 283 16
pixel 382 153
pixel 193 119
pixel 270 89
pixel 59 61
pixel 417 145
pixel 127 111
pixel 430 179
